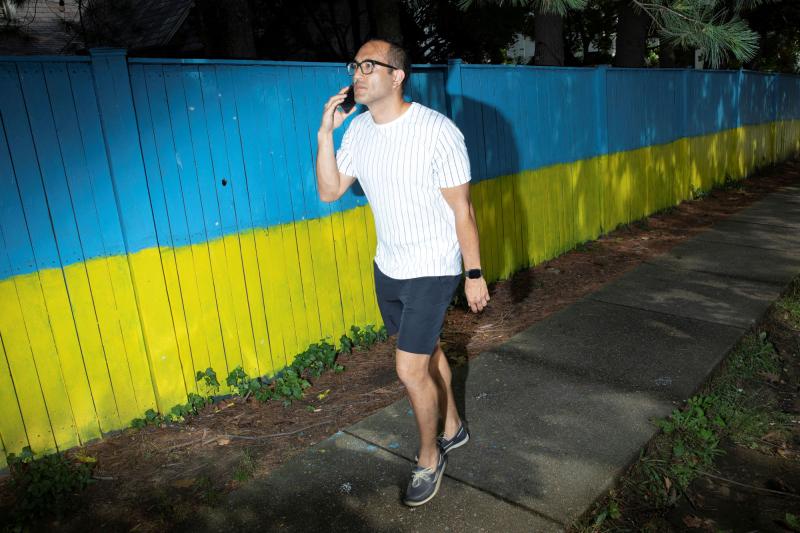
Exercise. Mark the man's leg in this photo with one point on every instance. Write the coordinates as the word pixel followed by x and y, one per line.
pixel 413 371
pixel 440 372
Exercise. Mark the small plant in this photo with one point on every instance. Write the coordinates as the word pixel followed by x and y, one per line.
pixel 46 484
pixel 151 418
pixel 316 359
pixel 695 193
pixel 289 386
pixel 610 510
pixel 789 304
pixel 245 468
pixel 731 184
pixel 208 380
pixel 242 384
pixel 364 338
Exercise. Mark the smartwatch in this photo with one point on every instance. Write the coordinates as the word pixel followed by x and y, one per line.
pixel 474 273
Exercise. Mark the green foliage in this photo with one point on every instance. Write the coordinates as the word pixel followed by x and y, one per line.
pixel 316 359
pixel 288 386
pixel 691 436
pixel 696 193
pixel 792 521
pixel 611 510
pixel 242 384
pixel 46 485
pixel 208 380
pixel 694 443
pixel 151 418
pixel 789 304
pixel 365 338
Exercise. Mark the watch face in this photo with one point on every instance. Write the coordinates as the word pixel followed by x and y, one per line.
pixel 474 274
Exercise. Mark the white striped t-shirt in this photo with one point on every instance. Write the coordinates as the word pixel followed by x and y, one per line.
pixel 402 165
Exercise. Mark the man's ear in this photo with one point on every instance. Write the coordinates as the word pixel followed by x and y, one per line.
pixel 398 77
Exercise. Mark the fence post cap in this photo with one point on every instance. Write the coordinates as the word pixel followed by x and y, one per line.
pixel 108 51
pixel 454 61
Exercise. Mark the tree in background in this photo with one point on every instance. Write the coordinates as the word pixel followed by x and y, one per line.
pixel 567 32
pixel 589 34
pixel 437 30
pixel 713 26
pixel 778 27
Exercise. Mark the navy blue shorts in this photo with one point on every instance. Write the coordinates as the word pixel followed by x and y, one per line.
pixel 414 308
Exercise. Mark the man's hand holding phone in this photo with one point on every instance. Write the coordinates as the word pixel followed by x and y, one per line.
pixel 337 109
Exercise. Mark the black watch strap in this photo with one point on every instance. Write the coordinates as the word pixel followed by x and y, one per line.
pixel 474 273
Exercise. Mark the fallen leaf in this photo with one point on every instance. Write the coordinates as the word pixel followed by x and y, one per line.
pixel 784 452
pixel 773 436
pixel 667 483
pixel 771 377
pixel 223 441
pixel 183 483
pixel 699 523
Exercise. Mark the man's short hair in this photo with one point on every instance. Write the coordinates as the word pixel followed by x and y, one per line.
pixel 397 56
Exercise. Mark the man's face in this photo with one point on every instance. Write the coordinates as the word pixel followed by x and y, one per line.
pixel 381 82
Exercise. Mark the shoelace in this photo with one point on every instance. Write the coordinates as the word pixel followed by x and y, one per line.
pixel 417 476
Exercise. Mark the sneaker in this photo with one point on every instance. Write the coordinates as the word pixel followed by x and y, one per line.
pixel 459 439
pixel 424 483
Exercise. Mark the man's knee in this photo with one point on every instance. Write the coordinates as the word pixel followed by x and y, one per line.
pixel 412 369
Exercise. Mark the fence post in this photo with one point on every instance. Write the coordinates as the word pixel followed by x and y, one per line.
pixel 454 92
pixel 686 169
pixel 601 110
pixel 601 105
pixel 129 181
pixel 774 128
pixel 741 170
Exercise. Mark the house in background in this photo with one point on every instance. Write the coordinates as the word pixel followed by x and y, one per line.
pixel 54 27
pixel 38 27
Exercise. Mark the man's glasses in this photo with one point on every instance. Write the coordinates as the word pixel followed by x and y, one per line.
pixel 366 66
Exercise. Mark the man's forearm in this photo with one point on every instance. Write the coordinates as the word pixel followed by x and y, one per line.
pixel 467 232
pixel 327 171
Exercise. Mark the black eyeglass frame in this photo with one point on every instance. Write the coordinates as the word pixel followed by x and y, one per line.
pixel 359 67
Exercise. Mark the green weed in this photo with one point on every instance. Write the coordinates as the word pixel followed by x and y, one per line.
pixel 245 468
pixel 288 386
pixel 789 303
pixel 48 484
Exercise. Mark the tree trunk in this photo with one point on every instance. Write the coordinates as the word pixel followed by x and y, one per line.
pixel 387 19
pixel 355 26
pixel 666 55
pixel 631 36
pixel 240 41
pixel 548 29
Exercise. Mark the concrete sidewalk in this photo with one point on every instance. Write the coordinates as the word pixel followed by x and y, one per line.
pixel 560 410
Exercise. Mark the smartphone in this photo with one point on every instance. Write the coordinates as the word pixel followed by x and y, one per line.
pixel 349 101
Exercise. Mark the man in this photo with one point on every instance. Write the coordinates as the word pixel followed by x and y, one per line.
pixel 412 164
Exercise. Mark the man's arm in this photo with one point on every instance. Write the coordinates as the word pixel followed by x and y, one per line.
pixel 467 231
pixel 331 184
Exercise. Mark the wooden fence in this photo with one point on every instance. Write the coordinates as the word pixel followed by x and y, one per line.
pixel 159 217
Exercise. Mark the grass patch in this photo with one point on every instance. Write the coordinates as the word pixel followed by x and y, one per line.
pixel 789 305
pixel 689 442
